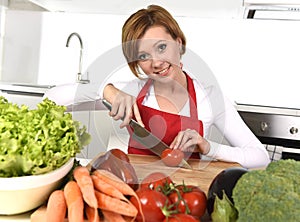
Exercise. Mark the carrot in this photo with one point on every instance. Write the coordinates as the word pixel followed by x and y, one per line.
pixel 85 183
pixel 56 207
pixel 74 201
pixel 110 216
pixel 115 181
pixel 123 187
pixel 106 202
pixel 91 213
pixel 107 188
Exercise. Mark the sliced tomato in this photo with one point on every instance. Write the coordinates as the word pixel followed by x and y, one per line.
pixel 156 181
pixel 172 157
pixel 152 202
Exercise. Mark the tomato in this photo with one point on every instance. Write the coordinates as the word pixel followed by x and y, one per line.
pixel 181 218
pixel 172 157
pixel 155 181
pixel 191 196
pixel 152 202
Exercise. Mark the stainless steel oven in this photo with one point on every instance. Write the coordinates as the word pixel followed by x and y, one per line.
pixel 277 128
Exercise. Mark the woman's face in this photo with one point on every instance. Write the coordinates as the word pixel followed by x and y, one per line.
pixel 159 54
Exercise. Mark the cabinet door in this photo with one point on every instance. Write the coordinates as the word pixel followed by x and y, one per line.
pixel 84 118
pixel 100 129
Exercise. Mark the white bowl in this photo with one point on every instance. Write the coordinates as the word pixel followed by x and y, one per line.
pixel 22 194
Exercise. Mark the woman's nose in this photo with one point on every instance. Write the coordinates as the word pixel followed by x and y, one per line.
pixel 156 62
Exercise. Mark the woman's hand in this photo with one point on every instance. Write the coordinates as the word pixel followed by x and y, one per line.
pixel 190 141
pixel 123 105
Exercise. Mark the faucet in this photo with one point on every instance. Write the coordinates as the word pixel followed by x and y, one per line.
pixel 79 75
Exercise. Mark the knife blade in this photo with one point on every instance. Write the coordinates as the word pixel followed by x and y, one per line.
pixel 147 139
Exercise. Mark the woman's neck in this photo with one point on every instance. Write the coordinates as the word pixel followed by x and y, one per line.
pixel 172 96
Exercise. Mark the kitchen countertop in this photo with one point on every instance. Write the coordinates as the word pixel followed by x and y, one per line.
pixel 202 175
pixel 24 88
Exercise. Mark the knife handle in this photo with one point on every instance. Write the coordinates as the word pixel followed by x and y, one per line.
pixel 106 104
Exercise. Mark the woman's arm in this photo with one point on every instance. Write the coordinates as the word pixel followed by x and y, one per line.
pixel 244 148
pixel 123 102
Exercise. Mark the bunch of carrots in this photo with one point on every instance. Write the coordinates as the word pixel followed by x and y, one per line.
pixel 92 196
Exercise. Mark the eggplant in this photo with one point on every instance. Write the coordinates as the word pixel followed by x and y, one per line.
pixel 226 181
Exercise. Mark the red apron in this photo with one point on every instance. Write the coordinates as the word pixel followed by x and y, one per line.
pixel 165 125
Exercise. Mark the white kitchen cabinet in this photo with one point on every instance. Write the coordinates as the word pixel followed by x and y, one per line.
pixel 83 118
pixel 105 132
pixel 100 127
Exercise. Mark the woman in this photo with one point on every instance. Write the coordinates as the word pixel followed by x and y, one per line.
pixel 169 102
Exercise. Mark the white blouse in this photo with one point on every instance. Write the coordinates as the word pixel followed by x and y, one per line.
pixel 214 110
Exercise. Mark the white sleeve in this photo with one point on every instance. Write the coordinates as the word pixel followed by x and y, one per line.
pixel 244 148
pixel 130 86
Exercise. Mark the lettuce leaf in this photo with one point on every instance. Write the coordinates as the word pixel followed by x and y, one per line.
pixel 224 210
pixel 37 141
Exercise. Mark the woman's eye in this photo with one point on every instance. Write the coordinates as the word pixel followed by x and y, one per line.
pixel 143 57
pixel 162 47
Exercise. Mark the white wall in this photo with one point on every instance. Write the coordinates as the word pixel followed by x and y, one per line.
pixel 254 61
pixel 21 47
pixel 58 63
pixel 2 25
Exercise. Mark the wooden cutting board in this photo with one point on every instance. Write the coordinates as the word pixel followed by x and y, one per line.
pixel 202 174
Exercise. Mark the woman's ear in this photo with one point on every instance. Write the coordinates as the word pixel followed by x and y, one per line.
pixel 179 41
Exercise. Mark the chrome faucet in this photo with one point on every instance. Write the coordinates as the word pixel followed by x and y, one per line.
pixel 79 75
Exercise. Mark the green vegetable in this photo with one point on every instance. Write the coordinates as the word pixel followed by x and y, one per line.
pixel 224 211
pixel 37 141
pixel 272 194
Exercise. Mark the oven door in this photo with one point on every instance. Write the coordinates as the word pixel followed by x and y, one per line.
pixel 279 133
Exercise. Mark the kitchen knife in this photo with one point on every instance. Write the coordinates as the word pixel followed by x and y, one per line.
pixel 147 139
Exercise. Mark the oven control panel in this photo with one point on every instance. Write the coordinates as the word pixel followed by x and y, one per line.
pixel 273 125
pixel 279 133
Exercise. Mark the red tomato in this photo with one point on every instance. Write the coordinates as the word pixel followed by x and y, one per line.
pixel 181 218
pixel 192 197
pixel 152 202
pixel 172 157
pixel 156 181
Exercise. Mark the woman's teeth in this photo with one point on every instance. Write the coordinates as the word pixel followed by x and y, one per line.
pixel 163 71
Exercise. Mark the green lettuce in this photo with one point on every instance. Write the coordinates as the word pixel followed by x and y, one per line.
pixel 37 141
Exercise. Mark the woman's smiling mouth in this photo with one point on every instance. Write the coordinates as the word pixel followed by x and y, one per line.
pixel 163 72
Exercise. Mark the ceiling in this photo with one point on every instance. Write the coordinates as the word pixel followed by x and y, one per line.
pixel 176 7
pixel 200 8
